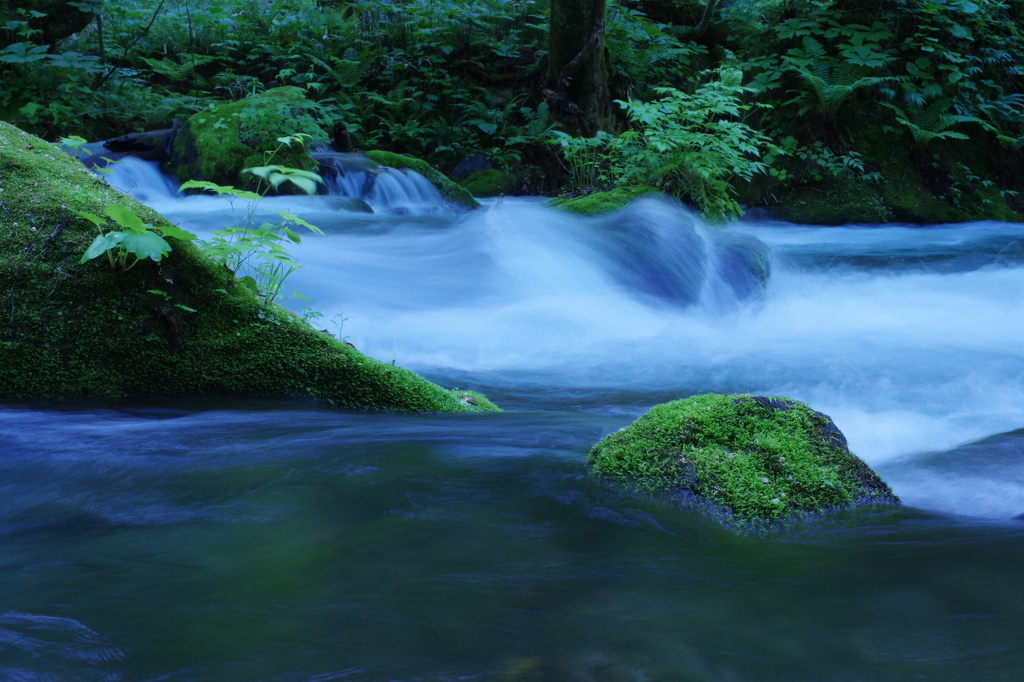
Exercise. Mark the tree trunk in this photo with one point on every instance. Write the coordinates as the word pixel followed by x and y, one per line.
pixel 578 68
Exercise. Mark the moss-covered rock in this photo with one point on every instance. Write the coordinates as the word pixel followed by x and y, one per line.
pixel 181 327
pixel 490 182
pixel 744 459
pixel 450 191
pixel 834 204
pixel 601 202
pixel 945 181
pixel 217 143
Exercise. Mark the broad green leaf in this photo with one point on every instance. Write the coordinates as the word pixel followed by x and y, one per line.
pixel 262 171
pixel 305 184
pixel 126 218
pixel 296 172
pixel 248 283
pixel 959 31
pixel 146 245
pixel 275 179
pixel 292 218
pixel 488 128
pixel 203 184
pixel 221 189
pixel 93 218
pixel 101 245
pixel 177 233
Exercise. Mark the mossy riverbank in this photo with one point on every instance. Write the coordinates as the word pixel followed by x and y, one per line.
pixel 181 327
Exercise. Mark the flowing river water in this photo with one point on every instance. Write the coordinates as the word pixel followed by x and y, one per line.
pixel 223 540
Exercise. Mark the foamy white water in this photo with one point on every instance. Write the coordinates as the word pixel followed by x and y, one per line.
pixel 909 337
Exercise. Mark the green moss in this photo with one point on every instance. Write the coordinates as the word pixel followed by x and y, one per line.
pixel 84 330
pixel 217 143
pixel 600 202
pixel 490 182
pixel 835 203
pixel 749 458
pixel 946 181
pixel 451 191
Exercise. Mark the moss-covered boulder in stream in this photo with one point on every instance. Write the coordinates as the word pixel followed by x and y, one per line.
pixel 746 460
pixel 451 191
pixel 217 143
pixel 490 182
pixel 180 327
pixel 597 203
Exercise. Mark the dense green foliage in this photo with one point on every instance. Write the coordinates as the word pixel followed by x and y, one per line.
pixel 831 109
pixel 753 457
pixel 218 143
pixel 178 325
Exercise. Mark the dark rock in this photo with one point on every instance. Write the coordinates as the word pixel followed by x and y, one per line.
pixel 655 256
pixel 469 165
pixel 154 145
pixel 743 261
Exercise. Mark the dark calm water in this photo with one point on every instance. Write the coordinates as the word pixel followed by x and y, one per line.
pixel 274 540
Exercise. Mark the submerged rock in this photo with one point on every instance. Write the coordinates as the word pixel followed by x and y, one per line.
pixel 655 251
pixel 452 192
pixel 744 262
pixel 663 254
pixel 743 459
pixel 181 327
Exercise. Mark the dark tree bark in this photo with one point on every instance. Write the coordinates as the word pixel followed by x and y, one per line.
pixel 578 67
pixel 705 20
pixel 61 20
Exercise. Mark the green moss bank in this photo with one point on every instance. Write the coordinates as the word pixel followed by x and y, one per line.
pixel 490 182
pixel 601 202
pixel 944 181
pixel 85 330
pixel 217 143
pixel 740 458
pixel 451 191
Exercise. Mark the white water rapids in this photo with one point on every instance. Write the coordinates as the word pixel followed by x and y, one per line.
pixel 910 338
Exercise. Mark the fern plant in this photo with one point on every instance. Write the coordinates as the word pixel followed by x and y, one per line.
pixel 829 82
pixel 932 122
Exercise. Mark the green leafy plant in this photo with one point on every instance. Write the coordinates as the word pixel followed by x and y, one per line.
pixel 932 122
pixel 75 145
pixel 829 82
pixel 134 239
pixel 690 145
pixel 585 158
pixel 257 254
pixel 821 162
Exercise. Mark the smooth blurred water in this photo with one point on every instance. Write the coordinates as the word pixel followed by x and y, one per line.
pixel 274 540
